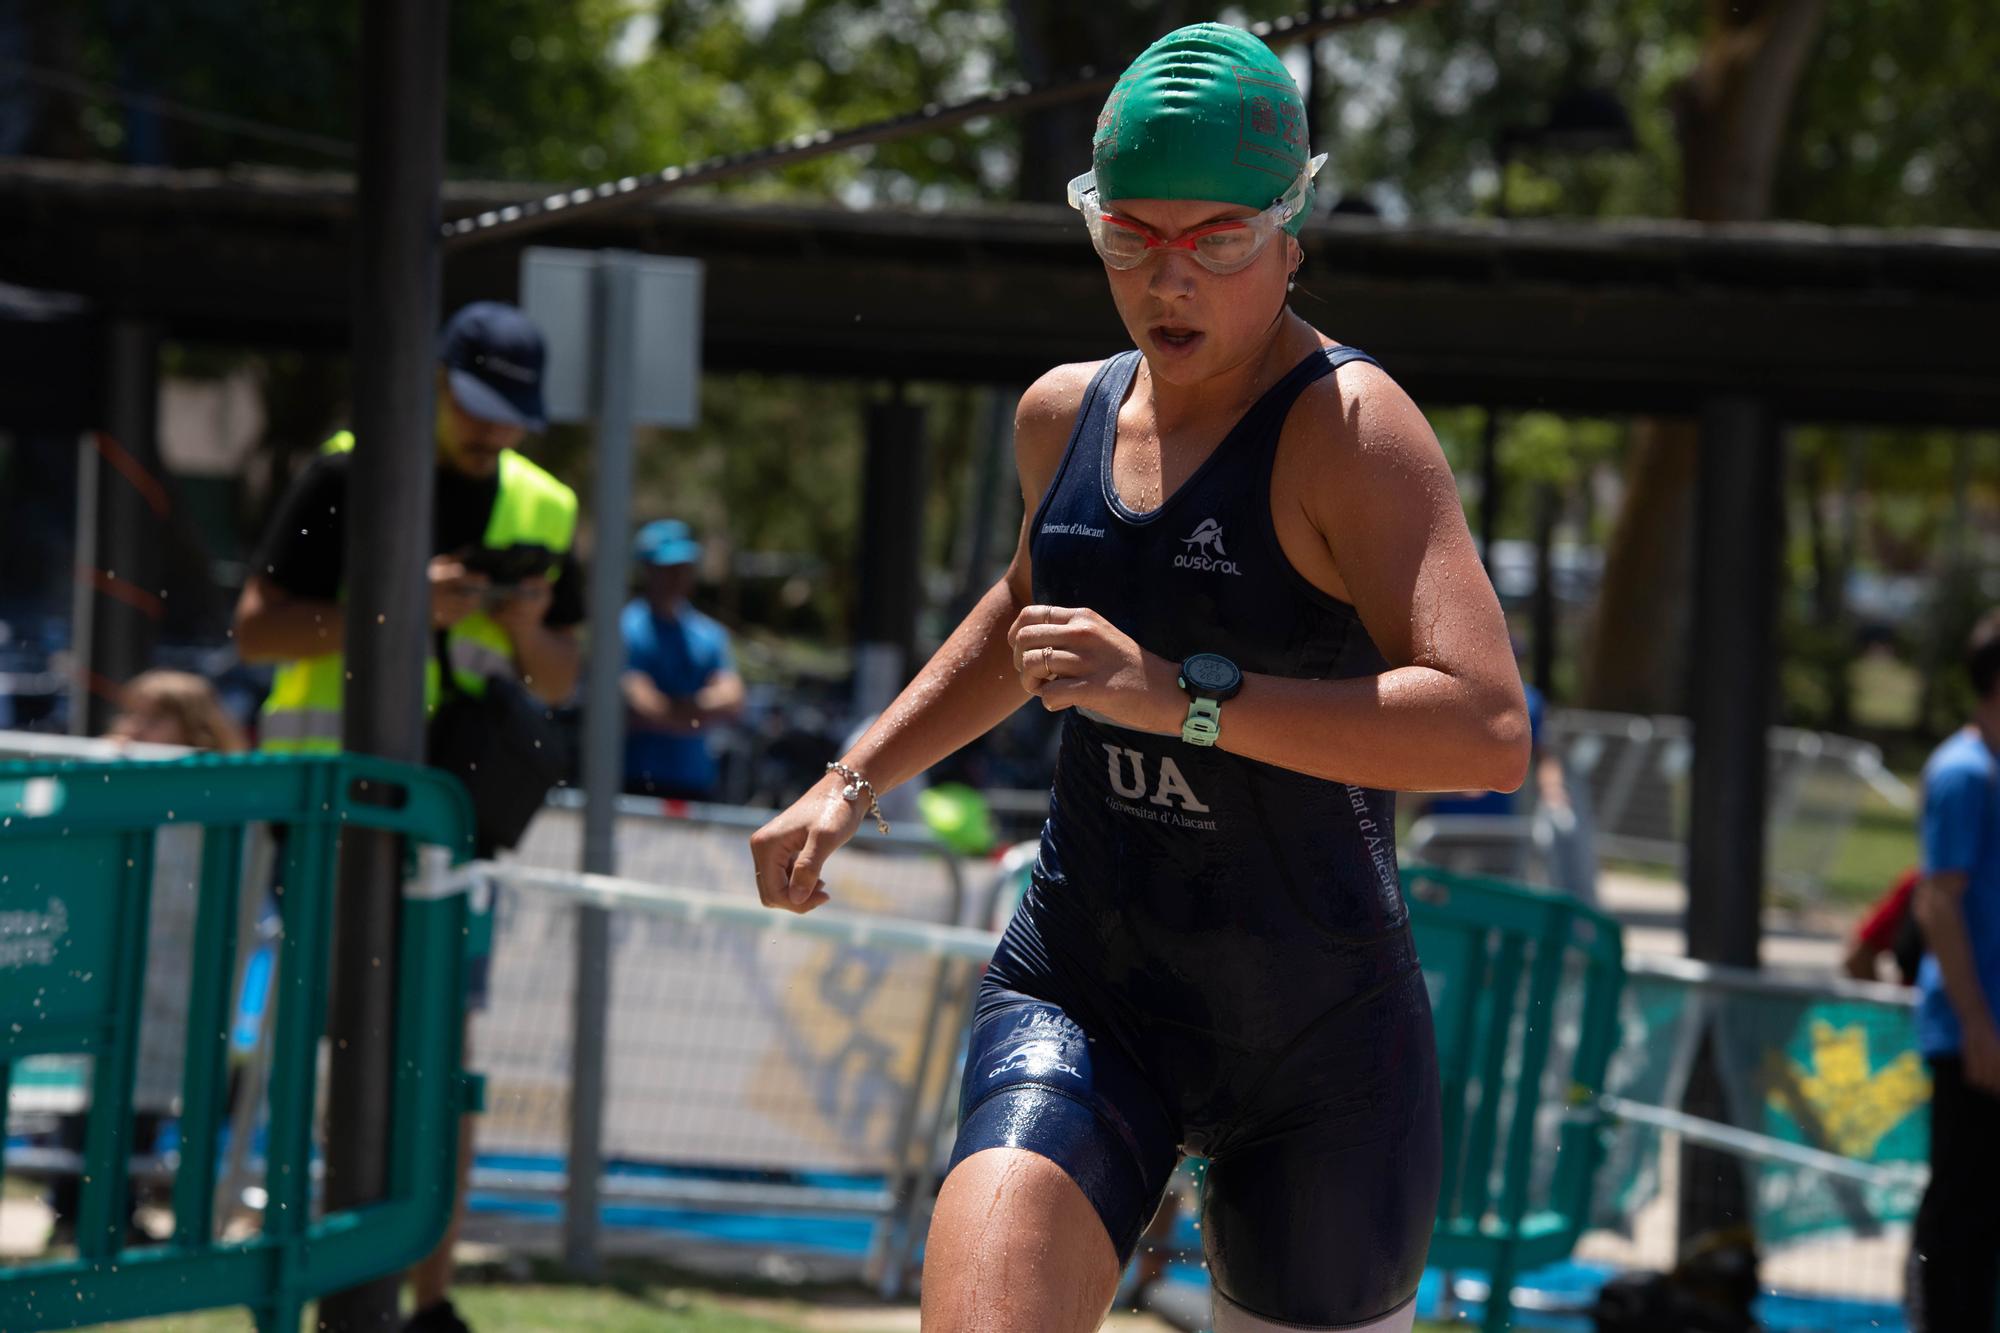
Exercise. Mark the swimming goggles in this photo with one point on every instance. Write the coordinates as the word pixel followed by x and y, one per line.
pixel 1219 247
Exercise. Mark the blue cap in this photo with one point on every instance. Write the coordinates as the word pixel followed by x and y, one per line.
pixel 666 541
pixel 493 353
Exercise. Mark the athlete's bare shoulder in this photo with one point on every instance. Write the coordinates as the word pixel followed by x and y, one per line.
pixel 1050 405
pixel 1358 417
pixel 1359 464
pixel 1043 421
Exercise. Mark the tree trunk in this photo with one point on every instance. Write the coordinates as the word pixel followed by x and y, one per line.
pixel 1730 112
pixel 1638 655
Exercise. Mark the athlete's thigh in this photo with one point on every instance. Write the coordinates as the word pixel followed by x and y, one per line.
pixel 1015 1247
pixel 1063 1151
pixel 1325 1221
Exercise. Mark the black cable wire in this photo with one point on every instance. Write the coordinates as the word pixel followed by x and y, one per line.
pixel 536 214
pixel 77 86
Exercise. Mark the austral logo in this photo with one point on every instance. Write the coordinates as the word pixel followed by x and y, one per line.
pixel 1205 551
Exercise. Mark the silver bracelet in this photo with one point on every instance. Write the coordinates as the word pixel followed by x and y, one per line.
pixel 856 784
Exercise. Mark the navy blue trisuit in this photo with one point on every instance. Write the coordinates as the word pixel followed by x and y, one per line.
pixel 1213 956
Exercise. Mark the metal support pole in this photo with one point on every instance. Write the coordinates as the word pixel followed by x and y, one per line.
pixel 615 305
pixel 83 593
pixel 986 492
pixel 892 508
pixel 1548 503
pixel 1489 486
pixel 1739 491
pixel 387 627
pixel 129 532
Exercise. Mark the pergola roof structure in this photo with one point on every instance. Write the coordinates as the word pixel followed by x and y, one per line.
pixel 1639 316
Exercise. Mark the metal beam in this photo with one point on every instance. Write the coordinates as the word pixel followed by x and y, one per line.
pixel 128 552
pixel 1656 317
pixel 1740 526
pixel 892 516
pixel 1740 513
pixel 388 634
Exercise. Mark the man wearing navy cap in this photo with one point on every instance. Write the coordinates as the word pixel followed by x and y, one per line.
pixel 504 585
pixel 506 591
pixel 680 679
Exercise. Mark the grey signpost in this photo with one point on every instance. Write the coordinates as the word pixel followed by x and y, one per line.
pixel 624 340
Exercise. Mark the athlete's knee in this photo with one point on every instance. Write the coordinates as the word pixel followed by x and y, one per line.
pixel 1233 1318
pixel 1015 1246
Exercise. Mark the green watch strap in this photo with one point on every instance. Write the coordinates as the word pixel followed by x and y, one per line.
pixel 1204 722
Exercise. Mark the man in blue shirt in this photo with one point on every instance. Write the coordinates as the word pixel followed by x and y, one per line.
pixel 680 679
pixel 1956 1246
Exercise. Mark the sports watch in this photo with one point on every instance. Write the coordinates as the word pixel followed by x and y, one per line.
pixel 1211 679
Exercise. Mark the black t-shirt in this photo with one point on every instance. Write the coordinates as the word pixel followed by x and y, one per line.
pixel 304 551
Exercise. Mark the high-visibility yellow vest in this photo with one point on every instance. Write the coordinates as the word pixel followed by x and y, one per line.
pixel 302 712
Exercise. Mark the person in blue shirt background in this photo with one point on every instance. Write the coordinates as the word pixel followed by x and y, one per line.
pixel 680 679
pixel 1955 1246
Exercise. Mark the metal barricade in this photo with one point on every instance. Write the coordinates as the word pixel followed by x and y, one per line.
pixel 1826 1096
pixel 52 1091
pixel 1524 985
pixel 80 847
pixel 752 1067
pixel 1635 772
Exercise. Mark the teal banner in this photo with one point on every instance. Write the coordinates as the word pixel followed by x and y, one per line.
pixel 1841 1076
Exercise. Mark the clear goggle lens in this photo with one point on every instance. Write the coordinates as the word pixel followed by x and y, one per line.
pixel 1220 247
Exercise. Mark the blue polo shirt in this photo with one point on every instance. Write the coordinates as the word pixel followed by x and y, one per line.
pixel 681 653
pixel 1961 831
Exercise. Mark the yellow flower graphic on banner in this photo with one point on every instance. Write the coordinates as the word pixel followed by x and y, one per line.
pixel 1838 1099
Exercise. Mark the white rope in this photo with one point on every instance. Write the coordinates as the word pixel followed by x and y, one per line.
pixel 698 905
pixel 1762 1147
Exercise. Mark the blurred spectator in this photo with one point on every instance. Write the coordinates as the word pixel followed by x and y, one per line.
pixel 505 590
pixel 174 708
pixel 680 677
pixel 1955 1246
pixel 1554 815
pixel 156 708
pixel 1890 929
pixel 506 597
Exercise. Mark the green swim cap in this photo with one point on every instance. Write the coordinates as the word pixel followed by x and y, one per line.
pixel 1206 112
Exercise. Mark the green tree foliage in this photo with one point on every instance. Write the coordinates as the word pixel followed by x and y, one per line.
pixel 1897 119
pixel 1896 123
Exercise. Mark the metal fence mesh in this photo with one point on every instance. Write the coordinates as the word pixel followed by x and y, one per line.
pixel 1830 1068
pixel 729 1046
pixel 1635 771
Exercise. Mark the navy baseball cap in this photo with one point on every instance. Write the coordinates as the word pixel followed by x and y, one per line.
pixel 493 353
pixel 666 541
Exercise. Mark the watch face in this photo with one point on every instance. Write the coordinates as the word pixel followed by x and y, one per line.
pixel 1211 674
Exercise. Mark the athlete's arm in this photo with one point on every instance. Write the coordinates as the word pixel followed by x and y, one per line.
pixel 272 624
pixel 968 687
pixel 1940 908
pixel 1449 714
pixel 547 656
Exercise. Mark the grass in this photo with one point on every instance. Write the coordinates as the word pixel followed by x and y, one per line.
pixel 621 1306
pixel 1881 844
pixel 530 1308
pixel 1886 692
